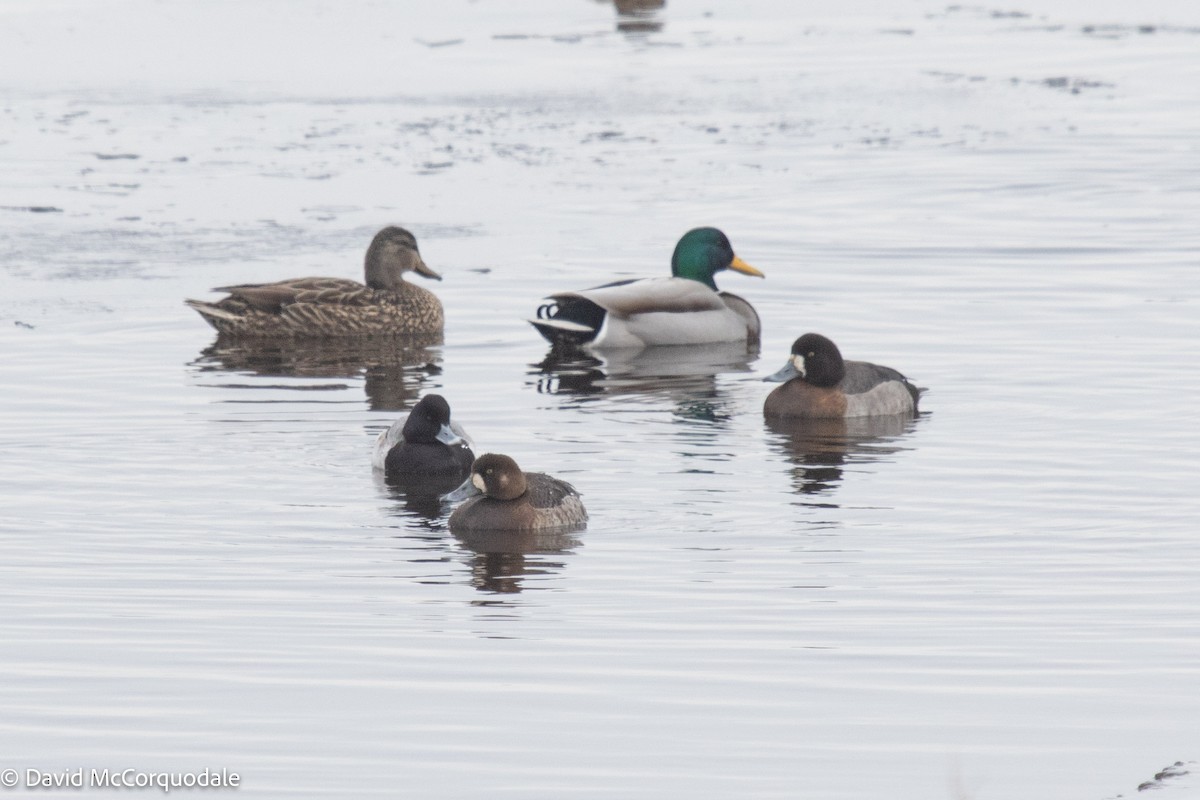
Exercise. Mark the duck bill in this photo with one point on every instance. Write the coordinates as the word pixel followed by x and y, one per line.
pixel 737 265
pixel 423 269
pixel 788 372
pixel 447 436
pixel 467 489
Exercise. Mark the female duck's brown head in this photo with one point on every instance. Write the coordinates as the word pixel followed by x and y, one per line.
pixel 393 252
pixel 498 477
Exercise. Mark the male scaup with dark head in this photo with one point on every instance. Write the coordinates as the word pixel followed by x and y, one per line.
pixel 425 445
pixel 514 500
pixel 821 385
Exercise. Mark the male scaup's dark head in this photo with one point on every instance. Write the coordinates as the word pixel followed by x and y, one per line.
pixel 820 384
pixel 815 359
pixel 513 499
pixel 429 422
pixel 426 445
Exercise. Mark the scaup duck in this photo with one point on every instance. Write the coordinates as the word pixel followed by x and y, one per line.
pixel 820 385
pixel 514 500
pixel 424 445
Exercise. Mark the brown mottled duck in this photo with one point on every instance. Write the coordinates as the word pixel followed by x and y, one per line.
pixel 336 307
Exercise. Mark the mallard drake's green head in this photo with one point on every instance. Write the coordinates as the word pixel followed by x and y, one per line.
pixel 393 252
pixel 702 253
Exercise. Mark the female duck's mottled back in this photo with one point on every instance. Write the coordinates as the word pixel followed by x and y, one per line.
pixel 820 385
pixel 681 310
pixel 336 307
pixel 514 500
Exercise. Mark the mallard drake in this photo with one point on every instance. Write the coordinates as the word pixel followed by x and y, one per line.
pixel 514 500
pixel 686 308
pixel 821 385
pixel 426 444
pixel 336 307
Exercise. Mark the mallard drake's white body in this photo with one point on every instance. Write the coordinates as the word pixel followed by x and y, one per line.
pixel 653 311
pixel 684 309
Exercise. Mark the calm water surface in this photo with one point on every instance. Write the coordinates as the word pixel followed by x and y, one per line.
pixel 997 599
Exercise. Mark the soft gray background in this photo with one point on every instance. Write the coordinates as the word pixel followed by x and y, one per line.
pixel 198 568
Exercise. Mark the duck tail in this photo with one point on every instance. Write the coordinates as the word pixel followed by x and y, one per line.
pixel 218 317
pixel 571 324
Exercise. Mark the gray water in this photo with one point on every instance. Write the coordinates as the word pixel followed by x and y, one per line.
pixel 999 599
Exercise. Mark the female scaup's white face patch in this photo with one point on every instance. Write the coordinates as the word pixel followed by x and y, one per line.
pixel 798 363
pixel 477 479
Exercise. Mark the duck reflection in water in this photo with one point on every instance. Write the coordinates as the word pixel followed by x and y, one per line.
pixel 686 375
pixel 395 371
pixel 502 562
pixel 498 562
pixel 820 449
pixel 639 16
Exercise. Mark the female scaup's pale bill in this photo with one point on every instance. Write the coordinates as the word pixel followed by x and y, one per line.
pixel 514 500
pixel 683 309
pixel 425 445
pixel 336 307
pixel 820 385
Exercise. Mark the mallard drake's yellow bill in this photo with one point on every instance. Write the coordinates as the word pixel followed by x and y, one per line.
pixel 741 266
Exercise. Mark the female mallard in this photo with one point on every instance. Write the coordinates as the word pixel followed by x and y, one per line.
pixel 333 307
pixel 820 385
pixel 683 309
pixel 424 445
pixel 514 500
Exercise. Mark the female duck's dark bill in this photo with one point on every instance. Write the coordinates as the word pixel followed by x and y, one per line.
pixel 469 488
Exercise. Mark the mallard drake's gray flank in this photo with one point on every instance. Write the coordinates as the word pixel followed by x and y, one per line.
pixel 514 500
pixel 336 307
pixel 821 385
pixel 425 444
pixel 683 309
